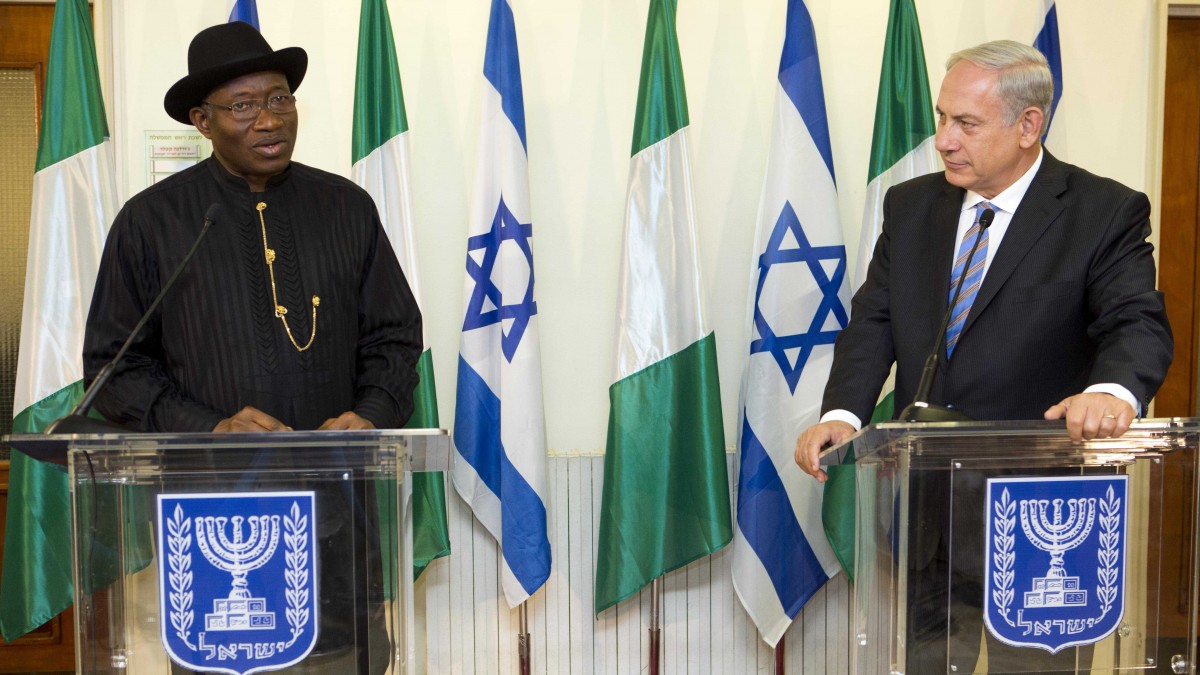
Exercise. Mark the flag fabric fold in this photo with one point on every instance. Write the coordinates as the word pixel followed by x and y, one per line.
pixel 74 201
pixel 381 166
pixel 244 10
pixel 902 142
pixel 1047 43
pixel 902 147
pixel 665 500
pixel 798 298
pixel 499 426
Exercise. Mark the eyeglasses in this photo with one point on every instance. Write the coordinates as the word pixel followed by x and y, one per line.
pixel 280 104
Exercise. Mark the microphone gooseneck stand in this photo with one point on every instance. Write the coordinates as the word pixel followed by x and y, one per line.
pixel 921 410
pixel 77 421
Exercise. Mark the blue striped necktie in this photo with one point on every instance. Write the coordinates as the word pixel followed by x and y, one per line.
pixel 974 272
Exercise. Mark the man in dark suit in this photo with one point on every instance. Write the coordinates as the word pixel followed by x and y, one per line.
pixel 1059 315
pixel 1067 321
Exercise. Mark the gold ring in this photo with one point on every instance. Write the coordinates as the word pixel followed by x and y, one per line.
pixel 1111 416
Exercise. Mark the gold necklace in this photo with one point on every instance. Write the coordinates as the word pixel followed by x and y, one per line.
pixel 280 310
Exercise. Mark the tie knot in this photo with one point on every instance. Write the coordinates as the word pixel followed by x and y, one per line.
pixel 981 207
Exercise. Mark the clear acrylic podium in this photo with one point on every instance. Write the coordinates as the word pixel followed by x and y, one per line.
pixel 1008 545
pixel 241 553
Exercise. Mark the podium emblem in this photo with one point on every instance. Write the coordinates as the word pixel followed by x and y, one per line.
pixel 1055 560
pixel 237 579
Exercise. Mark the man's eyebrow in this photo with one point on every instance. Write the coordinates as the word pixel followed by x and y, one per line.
pixel 963 117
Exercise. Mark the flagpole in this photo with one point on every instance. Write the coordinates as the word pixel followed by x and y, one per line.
pixel 779 654
pixel 523 637
pixel 655 625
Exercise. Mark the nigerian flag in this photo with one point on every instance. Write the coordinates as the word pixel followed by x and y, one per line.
pixel 902 145
pixel 901 148
pixel 381 166
pixel 665 501
pixel 74 200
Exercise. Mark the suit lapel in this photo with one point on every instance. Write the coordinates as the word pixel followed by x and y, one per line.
pixel 942 232
pixel 1037 211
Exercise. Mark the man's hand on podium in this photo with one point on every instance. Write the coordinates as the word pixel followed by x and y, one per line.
pixel 815 439
pixel 1094 415
pixel 347 420
pixel 250 419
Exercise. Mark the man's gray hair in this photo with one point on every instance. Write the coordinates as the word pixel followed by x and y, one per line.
pixel 1024 80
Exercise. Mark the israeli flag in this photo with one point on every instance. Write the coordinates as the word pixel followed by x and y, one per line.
pixel 499 427
pixel 1047 43
pixel 797 307
pixel 244 10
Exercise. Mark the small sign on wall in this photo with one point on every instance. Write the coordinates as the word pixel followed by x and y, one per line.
pixel 169 152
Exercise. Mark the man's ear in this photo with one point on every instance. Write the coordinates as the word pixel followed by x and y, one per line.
pixel 1032 123
pixel 199 118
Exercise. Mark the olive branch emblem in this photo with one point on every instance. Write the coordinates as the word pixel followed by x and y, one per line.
pixel 179 559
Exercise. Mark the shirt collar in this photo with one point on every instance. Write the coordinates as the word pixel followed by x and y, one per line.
pixel 238 183
pixel 1010 199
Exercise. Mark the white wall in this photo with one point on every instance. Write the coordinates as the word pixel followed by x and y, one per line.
pixel 579 62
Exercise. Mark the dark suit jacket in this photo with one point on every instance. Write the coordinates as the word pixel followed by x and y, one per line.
pixel 1068 301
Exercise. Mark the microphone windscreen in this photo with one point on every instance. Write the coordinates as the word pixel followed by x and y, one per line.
pixel 213 212
pixel 985 218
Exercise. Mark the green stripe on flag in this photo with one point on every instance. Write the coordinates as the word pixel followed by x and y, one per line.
pixel 425 413
pixel 666 486
pixel 38 416
pixel 37 583
pixel 431 528
pixel 378 97
pixel 662 101
pixel 841 492
pixel 38 526
pixel 379 116
pixel 73 189
pixel 904 124
pixel 903 116
pixel 72 108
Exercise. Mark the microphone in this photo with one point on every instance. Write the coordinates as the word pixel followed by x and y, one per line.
pixel 920 410
pixel 77 422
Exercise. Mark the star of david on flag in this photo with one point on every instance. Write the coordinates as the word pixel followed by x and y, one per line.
pixel 819 331
pixel 796 307
pixel 486 305
pixel 499 427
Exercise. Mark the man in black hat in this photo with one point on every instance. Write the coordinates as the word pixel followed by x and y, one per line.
pixel 294 312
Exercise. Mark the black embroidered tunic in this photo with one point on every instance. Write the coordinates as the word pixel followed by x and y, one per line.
pixel 215 344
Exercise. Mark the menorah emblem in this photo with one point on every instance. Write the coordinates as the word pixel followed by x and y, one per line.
pixel 238 553
pixel 1080 522
pixel 264 540
pixel 1056 536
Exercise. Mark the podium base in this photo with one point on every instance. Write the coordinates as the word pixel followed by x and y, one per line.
pixel 919 411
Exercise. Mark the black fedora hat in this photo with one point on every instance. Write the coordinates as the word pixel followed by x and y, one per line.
pixel 225 52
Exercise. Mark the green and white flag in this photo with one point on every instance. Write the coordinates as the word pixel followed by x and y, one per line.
pixel 902 144
pixel 381 166
pixel 901 148
pixel 74 201
pixel 666 490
